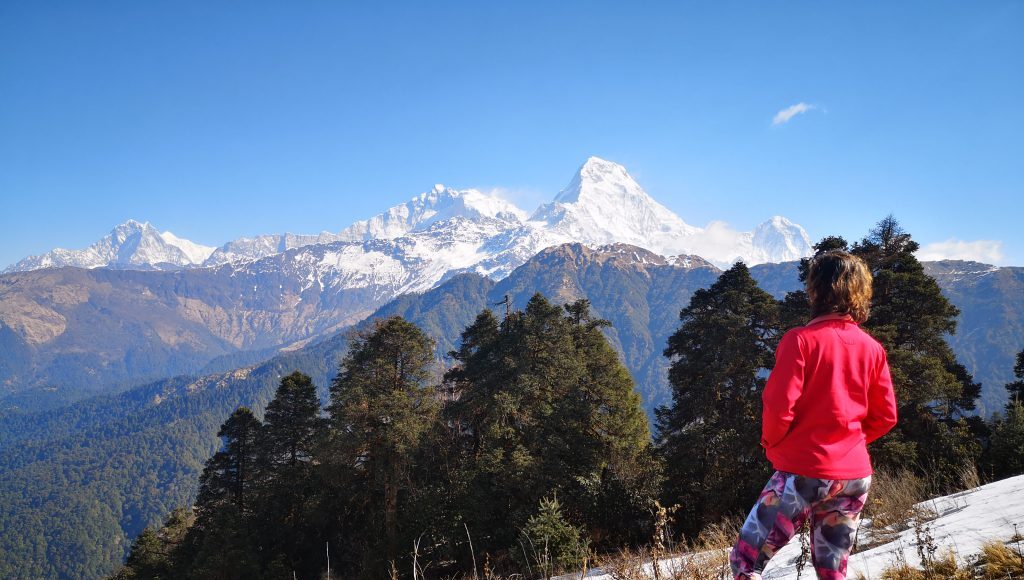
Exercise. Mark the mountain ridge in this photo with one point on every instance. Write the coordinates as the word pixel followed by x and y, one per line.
pixel 602 204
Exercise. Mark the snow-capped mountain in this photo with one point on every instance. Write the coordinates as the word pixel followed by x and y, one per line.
pixel 131 245
pixel 603 204
pixel 249 249
pixel 449 231
pixel 439 204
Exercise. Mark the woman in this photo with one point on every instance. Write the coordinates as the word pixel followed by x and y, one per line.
pixel 829 395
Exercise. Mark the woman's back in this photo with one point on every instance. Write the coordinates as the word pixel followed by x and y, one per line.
pixel 829 395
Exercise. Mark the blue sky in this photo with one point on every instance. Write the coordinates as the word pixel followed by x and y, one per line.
pixel 216 119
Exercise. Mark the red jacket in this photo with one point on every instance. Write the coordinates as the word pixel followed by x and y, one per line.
pixel 829 395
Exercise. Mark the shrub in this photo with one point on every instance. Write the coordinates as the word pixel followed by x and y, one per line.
pixel 551 543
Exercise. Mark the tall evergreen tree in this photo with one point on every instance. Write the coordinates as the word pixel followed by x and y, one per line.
pixel 709 436
pixel 543 405
pixel 220 545
pixel 292 423
pixel 153 554
pixel 911 318
pixel 382 406
pixel 1005 454
pixel 231 473
pixel 1016 388
pixel 287 535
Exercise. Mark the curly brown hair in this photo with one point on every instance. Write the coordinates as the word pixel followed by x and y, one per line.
pixel 839 282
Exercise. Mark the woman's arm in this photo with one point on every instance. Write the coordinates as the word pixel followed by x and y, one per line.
pixel 881 417
pixel 782 390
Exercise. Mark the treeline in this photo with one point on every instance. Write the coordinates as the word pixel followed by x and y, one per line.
pixel 532 450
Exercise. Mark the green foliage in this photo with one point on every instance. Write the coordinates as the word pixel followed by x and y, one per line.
pixel 382 406
pixel 1016 388
pixel 542 405
pixel 80 482
pixel 1005 454
pixel 709 436
pixel 550 542
pixel 153 551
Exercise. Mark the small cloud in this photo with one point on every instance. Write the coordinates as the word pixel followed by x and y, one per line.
pixel 519 197
pixel 985 251
pixel 783 116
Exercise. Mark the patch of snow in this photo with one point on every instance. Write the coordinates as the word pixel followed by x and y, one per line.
pixel 964 522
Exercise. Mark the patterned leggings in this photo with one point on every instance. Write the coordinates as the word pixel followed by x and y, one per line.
pixel 834 506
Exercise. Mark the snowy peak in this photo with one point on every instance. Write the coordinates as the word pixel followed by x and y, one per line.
pixel 780 240
pixel 196 253
pixel 603 204
pixel 439 204
pixel 598 181
pixel 133 244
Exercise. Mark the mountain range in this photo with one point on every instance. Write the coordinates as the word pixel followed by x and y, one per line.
pixel 140 304
pixel 602 204
pixel 143 305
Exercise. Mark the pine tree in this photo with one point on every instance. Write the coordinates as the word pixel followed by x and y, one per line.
pixel 153 553
pixel 382 406
pixel 231 473
pixel 1016 388
pixel 542 404
pixel 1005 454
pixel 709 436
pixel 911 318
pixel 292 429
pixel 221 544
pixel 292 423
pixel 551 543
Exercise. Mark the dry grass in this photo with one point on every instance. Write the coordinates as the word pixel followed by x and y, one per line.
pixel 945 566
pixel 892 499
pixel 704 558
pixel 892 506
pixel 1001 561
pixel 997 561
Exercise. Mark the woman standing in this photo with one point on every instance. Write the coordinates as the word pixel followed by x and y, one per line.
pixel 829 395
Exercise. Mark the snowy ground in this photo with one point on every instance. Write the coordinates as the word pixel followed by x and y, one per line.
pixel 964 522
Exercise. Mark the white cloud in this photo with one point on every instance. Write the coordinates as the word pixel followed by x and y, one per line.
pixel 783 116
pixel 986 251
pixel 521 198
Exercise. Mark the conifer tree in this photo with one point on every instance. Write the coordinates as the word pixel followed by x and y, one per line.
pixel 153 554
pixel 288 484
pixel 1015 389
pixel 292 423
pixel 220 545
pixel 1005 454
pixel 542 404
pixel 911 318
pixel 709 436
pixel 230 474
pixel 382 406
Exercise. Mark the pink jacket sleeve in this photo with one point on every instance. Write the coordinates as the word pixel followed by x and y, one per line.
pixel 881 417
pixel 784 386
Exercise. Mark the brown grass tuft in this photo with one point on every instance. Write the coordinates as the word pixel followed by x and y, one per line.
pixel 1001 561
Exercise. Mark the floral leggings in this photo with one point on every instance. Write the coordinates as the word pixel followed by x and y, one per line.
pixel 787 500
